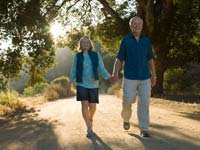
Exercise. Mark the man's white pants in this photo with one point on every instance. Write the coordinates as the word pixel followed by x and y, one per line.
pixel 132 88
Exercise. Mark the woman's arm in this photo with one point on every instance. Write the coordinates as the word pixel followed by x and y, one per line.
pixel 102 68
pixel 73 70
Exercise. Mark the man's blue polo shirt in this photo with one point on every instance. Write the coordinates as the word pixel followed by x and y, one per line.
pixel 136 55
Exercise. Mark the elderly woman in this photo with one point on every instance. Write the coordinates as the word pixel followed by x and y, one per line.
pixel 87 64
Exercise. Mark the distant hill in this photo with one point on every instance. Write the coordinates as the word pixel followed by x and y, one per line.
pixel 63 62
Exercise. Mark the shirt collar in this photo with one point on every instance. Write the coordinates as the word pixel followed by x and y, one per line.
pixel 132 36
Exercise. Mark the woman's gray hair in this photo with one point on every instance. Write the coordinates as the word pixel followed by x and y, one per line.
pixel 87 38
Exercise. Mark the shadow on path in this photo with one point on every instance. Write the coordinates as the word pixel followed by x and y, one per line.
pixel 193 115
pixel 98 143
pixel 159 139
pixel 26 131
pixel 180 98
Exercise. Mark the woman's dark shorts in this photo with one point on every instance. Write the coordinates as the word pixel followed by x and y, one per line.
pixel 92 95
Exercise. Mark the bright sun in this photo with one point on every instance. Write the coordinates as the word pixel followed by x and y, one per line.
pixel 57 29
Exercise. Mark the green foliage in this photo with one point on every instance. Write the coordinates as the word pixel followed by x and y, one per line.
pixel 108 63
pixel 174 31
pixel 10 100
pixel 183 33
pixel 110 39
pixel 63 62
pixel 52 91
pixel 3 83
pixel 174 80
pixel 6 98
pixel 115 89
pixel 18 84
pixel 24 26
pixel 59 88
pixel 29 91
pixel 196 88
pixel 73 39
pixel 180 81
pixel 36 89
pixel 63 81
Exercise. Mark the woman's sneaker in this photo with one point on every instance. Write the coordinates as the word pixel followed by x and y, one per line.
pixel 89 132
pixel 126 125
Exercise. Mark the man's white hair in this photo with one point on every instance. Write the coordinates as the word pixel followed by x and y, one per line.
pixel 135 18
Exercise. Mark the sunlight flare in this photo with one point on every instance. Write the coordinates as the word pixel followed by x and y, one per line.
pixel 57 29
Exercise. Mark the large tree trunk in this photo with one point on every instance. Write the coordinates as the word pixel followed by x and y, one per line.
pixel 161 67
pixel 156 16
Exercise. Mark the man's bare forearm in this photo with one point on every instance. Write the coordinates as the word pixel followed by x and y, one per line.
pixel 152 67
pixel 117 66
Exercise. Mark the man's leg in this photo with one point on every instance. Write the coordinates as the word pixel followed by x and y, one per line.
pixel 126 110
pixel 144 92
pixel 129 95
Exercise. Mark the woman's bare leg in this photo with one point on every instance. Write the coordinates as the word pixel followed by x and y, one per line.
pixel 92 110
pixel 85 113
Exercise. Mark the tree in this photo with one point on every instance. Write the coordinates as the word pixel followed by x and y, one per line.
pixel 24 24
pixel 173 26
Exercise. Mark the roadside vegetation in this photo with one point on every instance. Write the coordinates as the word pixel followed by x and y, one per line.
pixel 13 102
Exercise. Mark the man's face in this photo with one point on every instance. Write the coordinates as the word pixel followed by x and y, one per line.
pixel 136 25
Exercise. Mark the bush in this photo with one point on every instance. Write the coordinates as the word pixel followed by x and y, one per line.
pixel 29 91
pixel 63 81
pixel 115 89
pixel 174 80
pixel 36 89
pixel 3 83
pixel 103 85
pixel 196 88
pixel 10 102
pixel 179 81
pixel 59 88
pixel 51 92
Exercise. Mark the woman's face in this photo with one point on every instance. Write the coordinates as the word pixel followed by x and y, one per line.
pixel 85 44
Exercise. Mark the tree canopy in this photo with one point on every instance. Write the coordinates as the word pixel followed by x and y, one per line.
pixel 173 26
pixel 24 26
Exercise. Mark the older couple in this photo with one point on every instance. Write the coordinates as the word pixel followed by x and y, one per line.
pixel 139 76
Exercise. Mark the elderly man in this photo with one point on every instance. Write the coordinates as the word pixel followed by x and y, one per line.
pixel 139 74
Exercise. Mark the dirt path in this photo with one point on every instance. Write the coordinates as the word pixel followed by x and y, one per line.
pixel 59 125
